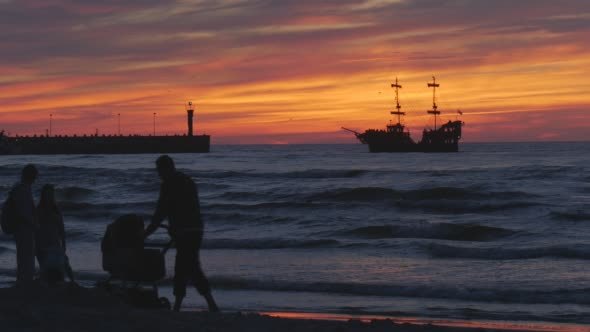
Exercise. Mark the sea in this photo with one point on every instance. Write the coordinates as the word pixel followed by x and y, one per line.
pixel 498 231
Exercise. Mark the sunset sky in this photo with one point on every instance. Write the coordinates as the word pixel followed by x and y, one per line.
pixel 295 71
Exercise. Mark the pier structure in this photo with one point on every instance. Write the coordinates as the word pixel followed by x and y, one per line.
pixel 107 144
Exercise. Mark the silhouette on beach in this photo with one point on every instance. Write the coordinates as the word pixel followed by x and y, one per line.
pixel 126 258
pixel 18 219
pixel 38 231
pixel 179 202
pixel 50 239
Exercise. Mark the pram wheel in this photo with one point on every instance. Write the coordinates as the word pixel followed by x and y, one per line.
pixel 165 303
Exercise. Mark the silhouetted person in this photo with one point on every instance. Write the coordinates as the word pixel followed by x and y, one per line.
pixel 24 234
pixel 50 239
pixel 179 202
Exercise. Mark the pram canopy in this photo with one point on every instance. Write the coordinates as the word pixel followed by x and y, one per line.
pixel 124 255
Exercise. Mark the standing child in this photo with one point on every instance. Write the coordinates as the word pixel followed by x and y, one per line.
pixel 51 240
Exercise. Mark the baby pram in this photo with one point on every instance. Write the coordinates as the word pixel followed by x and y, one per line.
pixel 131 265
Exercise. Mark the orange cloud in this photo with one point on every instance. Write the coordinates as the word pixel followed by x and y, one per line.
pixel 277 72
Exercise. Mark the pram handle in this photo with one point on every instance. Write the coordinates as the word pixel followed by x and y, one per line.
pixel 165 247
pixel 170 243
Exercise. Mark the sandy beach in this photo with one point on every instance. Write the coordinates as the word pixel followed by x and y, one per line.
pixel 84 309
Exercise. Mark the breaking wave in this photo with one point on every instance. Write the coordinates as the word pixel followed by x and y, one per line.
pixel 442 206
pixel 238 218
pixel 436 193
pixel 84 210
pixel 532 296
pixel 260 206
pixel 540 172
pixel 441 231
pixel 570 216
pixel 268 243
pixel 568 252
pixel 73 193
pixel 305 174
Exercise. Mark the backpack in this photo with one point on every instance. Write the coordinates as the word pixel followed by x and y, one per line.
pixel 8 219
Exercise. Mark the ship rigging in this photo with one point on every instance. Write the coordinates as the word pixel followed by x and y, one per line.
pixel 397 139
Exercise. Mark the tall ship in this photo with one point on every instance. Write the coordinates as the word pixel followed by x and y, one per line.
pixel 107 144
pixel 396 137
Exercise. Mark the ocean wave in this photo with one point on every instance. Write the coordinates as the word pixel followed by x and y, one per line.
pixel 435 193
pixel 211 186
pixel 566 251
pixel 80 235
pixel 362 194
pixel 77 206
pixel 72 171
pixel 73 193
pixel 237 218
pixel 442 231
pixel 260 206
pixel 322 174
pixel 84 210
pixel 244 195
pixel 459 292
pixel 539 172
pixel 268 243
pixel 570 216
pixel 5 249
pixel 305 174
pixel 455 207
pixel 437 199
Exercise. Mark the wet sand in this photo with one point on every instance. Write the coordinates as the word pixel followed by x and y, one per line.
pixel 82 309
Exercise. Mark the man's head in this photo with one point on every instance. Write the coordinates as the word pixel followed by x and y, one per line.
pixel 29 174
pixel 165 166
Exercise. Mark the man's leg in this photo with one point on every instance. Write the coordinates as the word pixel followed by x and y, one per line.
pixel 198 276
pixel 25 255
pixel 202 285
pixel 180 274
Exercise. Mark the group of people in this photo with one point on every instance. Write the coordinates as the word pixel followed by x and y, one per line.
pixel 39 231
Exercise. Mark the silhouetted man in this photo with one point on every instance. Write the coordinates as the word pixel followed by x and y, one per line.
pixel 179 202
pixel 24 234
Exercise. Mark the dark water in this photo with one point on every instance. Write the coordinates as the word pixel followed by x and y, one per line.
pixel 496 231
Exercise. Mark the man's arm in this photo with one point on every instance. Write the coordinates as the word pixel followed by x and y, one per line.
pixel 160 214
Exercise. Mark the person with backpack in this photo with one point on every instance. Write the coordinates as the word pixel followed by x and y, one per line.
pixel 179 202
pixel 50 239
pixel 18 219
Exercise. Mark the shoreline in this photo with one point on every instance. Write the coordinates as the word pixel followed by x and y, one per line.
pixel 67 308
pixel 497 325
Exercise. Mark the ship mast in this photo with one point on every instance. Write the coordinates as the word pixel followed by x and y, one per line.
pixel 397 86
pixel 434 110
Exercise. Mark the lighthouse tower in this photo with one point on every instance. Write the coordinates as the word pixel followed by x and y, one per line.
pixel 190 111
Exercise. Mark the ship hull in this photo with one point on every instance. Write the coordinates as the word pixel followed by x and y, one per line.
pixel 384 146
pixel 104 145
pixel 378 147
